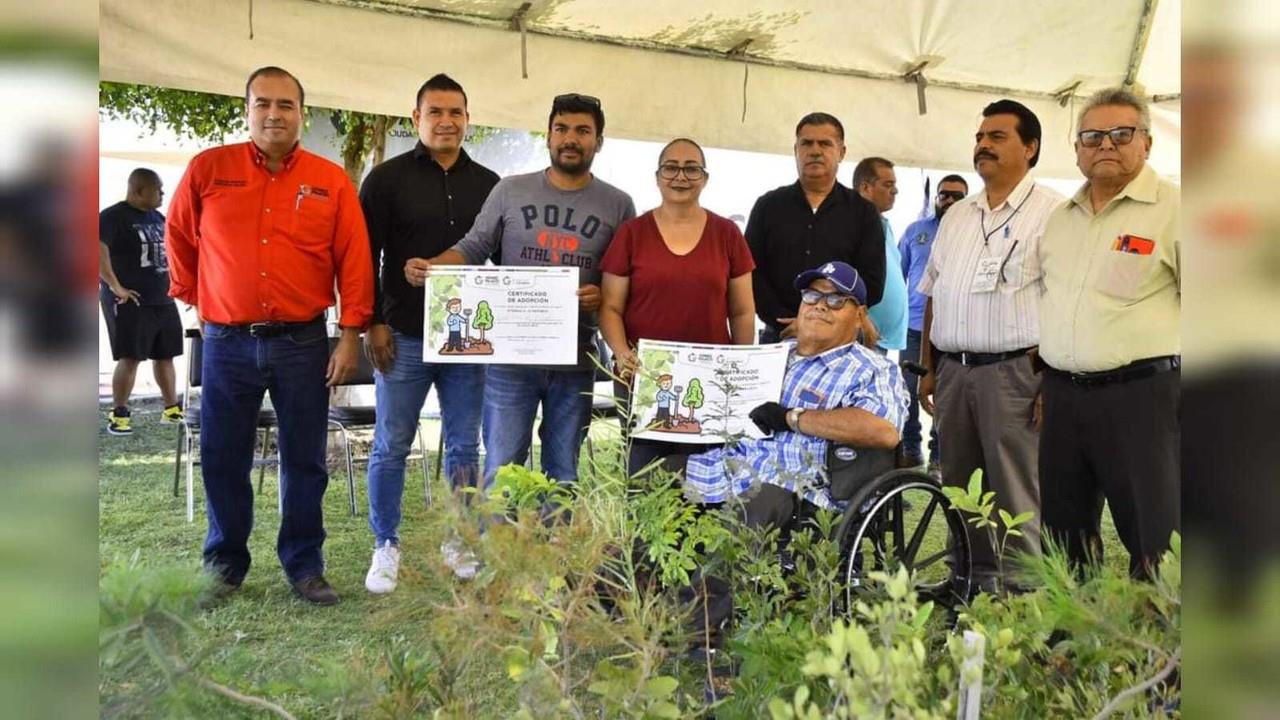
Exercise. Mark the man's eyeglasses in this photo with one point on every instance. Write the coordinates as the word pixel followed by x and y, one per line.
pixel 576 98
pixel 670 171
pixel 1119 136
pixel 835 301
pixel 955 195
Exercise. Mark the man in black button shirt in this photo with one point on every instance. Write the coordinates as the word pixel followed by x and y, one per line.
pixel 810 222
pixel 142 320
pixel 418 204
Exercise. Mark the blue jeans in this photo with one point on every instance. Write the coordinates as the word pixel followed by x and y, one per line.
pixel 911 429
pixel 400 395
pixel 511 398
pixel 237 369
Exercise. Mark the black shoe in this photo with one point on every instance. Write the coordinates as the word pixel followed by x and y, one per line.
pixel 315 590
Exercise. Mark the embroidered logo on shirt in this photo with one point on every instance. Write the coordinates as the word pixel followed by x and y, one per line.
pixel 313 191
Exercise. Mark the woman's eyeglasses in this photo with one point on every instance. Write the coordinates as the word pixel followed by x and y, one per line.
pixel 670 171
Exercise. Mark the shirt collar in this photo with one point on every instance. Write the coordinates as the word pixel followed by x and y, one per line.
pixel 420 152
pixel 290 158
pixel 1020 192
pixel 1143 188
pixel 839 193
pixel 829 358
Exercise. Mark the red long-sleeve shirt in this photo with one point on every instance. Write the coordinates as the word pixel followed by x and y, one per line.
pixel 246 245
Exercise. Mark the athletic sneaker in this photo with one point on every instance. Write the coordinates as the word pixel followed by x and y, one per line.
pixel 384 570
pixel 172 415
pixel 117 423
pixel 461 560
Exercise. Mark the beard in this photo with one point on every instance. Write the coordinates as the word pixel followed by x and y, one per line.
pixel 940 210
pixel 572 167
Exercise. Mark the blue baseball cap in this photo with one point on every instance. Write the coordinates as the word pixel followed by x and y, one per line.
pixel 841 274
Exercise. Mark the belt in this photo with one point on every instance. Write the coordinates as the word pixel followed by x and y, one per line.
pixel 1133 371
pixel 272 329
pixel 973 359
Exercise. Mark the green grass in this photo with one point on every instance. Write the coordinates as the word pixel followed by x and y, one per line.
pixel 269 637
pixel 264 641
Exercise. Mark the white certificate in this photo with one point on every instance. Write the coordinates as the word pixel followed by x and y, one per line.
pixel 691 393
pixel 503 315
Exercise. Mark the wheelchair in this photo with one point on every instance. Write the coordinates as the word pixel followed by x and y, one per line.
pixel 897 517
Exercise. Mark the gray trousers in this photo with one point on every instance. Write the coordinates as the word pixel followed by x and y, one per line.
pixel 984 420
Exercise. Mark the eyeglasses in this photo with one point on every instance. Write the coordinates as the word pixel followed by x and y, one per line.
pixel 953 194
pixel 576 98
pixel 670 171
pixel 835 301
pixel 1119 136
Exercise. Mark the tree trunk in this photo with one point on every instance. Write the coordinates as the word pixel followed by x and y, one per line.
pixel 355 148
pixel 380 125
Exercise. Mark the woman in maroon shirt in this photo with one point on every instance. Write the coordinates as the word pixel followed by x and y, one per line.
pixel 679 273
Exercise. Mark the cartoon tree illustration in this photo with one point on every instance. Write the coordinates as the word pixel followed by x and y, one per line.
pixel 484 318
pixel 693 398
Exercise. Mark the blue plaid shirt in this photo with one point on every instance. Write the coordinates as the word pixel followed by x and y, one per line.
pixel 846 376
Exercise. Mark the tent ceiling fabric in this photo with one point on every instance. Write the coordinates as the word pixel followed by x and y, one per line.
pixel 661 67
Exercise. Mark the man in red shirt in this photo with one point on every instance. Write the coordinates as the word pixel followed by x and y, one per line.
pixel 257 235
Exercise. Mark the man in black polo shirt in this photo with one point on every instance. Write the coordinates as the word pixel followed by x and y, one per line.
pixel 812 221
pixel 418 204
pixel 142 320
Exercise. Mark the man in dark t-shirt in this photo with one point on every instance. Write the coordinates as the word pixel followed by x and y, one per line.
pixel 142 320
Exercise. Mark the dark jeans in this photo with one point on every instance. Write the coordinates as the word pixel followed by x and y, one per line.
pixel 911 430
pixel 237 369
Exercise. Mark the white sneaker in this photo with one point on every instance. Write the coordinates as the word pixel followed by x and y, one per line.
pixel 384 570
pixel 460 559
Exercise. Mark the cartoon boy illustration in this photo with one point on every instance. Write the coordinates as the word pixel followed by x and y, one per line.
pixel 455 321
pixel 666 400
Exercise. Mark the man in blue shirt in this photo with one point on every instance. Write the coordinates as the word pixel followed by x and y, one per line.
pixel 915 246
pixel 835 390
pixel 876 182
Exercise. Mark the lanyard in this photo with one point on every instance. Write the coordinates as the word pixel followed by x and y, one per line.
pixel 982 221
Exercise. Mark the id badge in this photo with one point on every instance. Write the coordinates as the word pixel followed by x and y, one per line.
pixel 984 280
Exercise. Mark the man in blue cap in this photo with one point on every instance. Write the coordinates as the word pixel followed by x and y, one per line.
pixel 837 388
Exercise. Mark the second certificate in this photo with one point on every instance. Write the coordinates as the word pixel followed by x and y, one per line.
pixel 501 315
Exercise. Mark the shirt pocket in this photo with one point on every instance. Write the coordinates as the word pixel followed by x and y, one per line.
pixel 1121 274
pixel 313 224
pixel 1019 268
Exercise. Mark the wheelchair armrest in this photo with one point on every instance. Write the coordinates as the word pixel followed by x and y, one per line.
pixel 850 469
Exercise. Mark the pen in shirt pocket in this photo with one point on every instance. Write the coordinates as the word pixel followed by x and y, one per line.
pixel 297 203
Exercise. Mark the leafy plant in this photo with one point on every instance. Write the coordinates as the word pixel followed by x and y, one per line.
pixel 980 505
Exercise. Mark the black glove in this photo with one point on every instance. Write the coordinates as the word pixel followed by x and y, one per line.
pixel 770 417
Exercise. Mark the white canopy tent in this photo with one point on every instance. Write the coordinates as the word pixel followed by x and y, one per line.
pixel 729 73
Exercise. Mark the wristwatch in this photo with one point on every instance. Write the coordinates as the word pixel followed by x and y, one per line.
pixel 793 418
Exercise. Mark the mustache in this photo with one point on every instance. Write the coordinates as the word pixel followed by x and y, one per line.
pixel 984 154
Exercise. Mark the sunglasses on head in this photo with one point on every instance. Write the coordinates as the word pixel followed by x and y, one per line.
pixel 834 300
pixel 576 98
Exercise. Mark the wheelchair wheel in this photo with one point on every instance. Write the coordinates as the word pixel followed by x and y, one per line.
pixel 902 518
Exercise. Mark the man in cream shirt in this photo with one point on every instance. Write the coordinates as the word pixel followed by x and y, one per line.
pixel 1109 336
pixel 982 316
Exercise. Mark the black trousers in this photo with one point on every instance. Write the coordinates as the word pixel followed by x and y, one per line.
pixel 1119 442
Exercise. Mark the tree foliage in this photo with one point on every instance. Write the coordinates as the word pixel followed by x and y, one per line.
pixel 201 116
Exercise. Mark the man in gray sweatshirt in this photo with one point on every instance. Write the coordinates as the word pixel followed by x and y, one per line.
pixel 560 216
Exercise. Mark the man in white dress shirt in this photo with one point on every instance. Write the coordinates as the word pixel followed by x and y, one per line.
pixel 982 317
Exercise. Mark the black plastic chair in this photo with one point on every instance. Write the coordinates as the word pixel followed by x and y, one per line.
pixel 189 430
pixel 345 418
